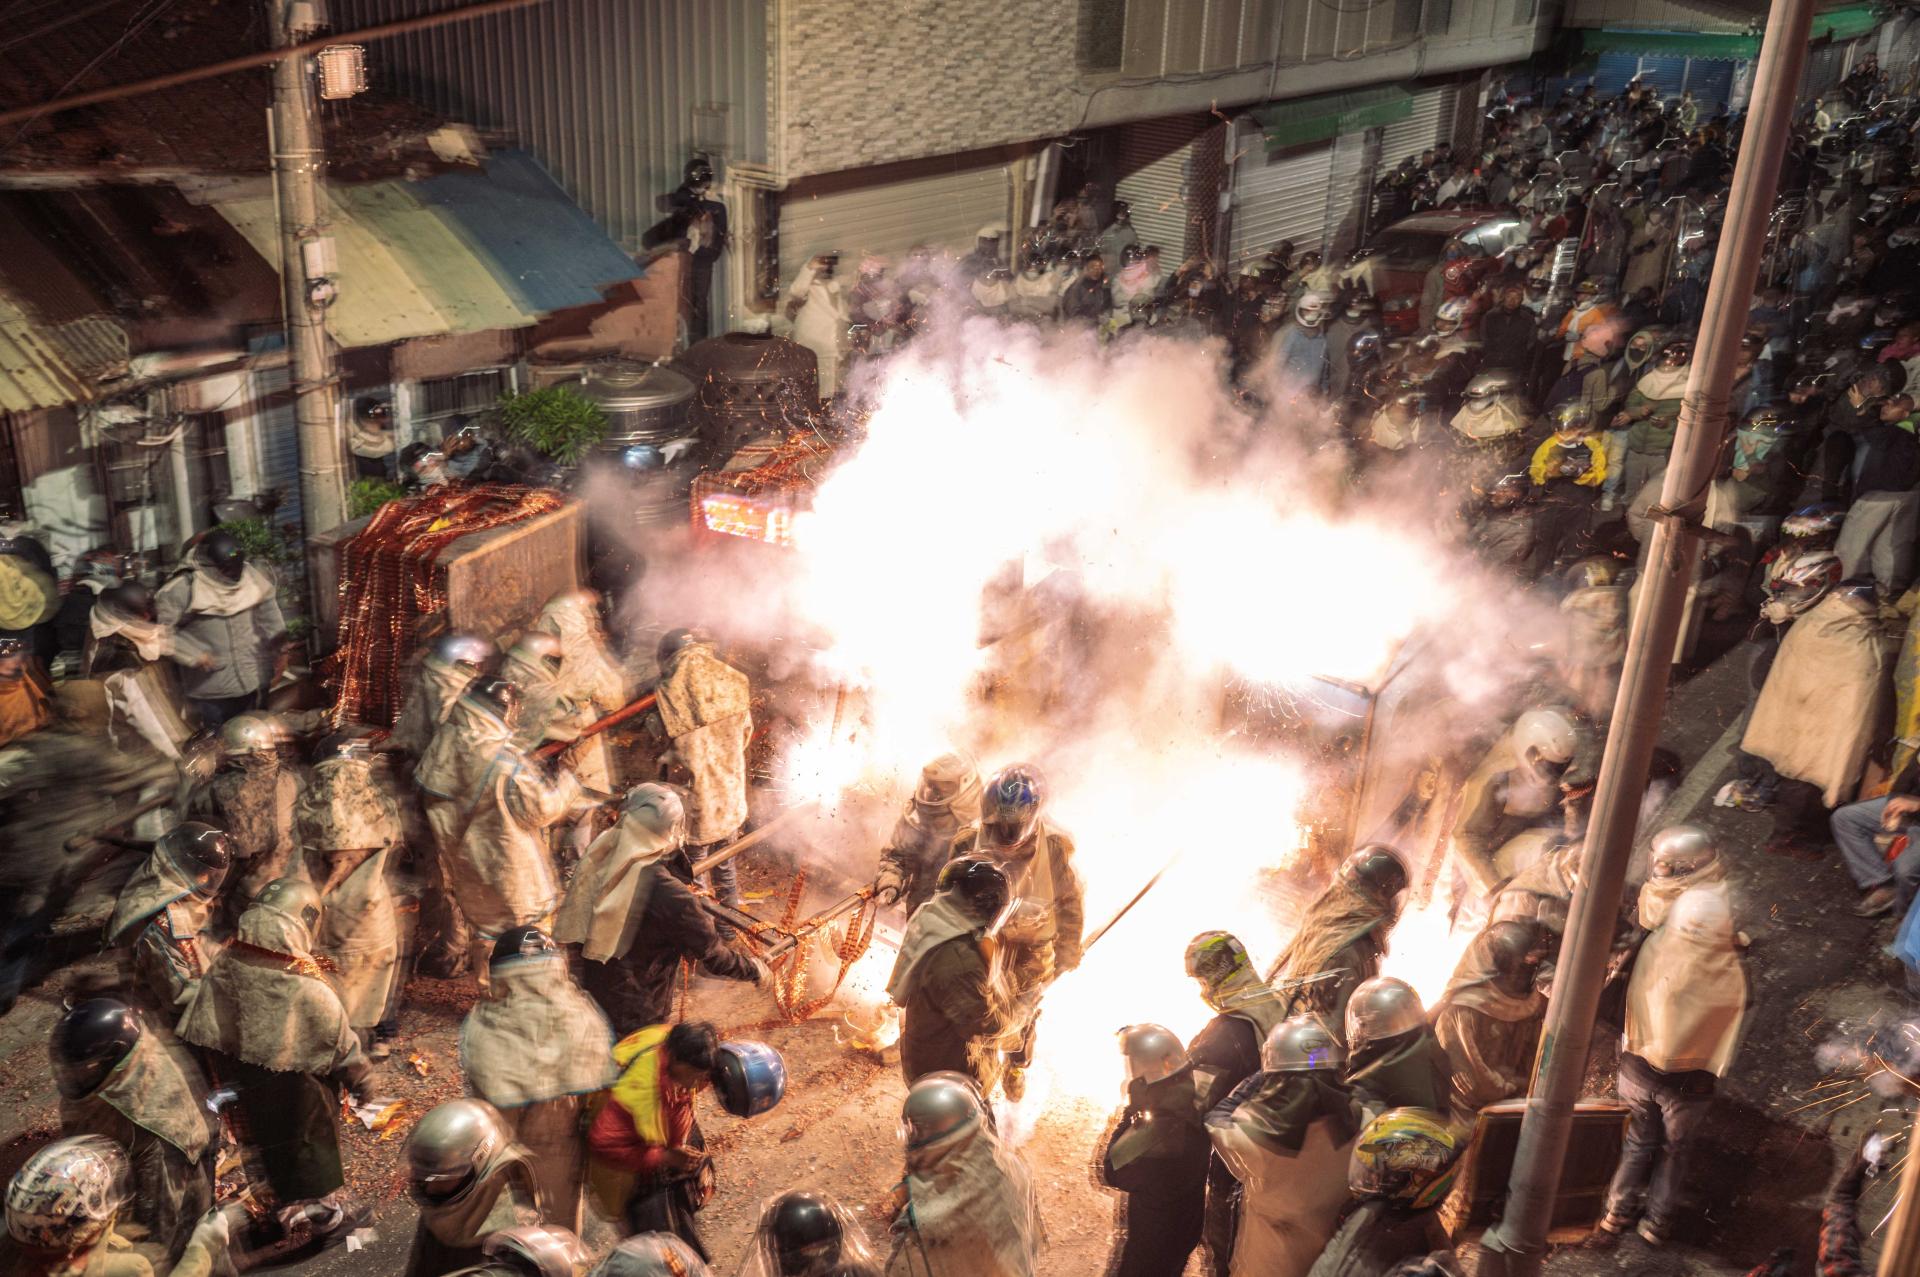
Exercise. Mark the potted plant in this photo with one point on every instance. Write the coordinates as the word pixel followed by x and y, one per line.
pixel 558 422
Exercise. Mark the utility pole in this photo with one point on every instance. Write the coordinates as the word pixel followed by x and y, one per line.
pixel 306 270
pixel 1517 1245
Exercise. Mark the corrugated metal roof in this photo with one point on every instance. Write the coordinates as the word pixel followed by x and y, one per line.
pixel 379 300
pixel 34 371
pixel 543 247
pixel 470 293
pixel 456 253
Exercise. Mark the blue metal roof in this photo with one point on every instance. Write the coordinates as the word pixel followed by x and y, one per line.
pixel 544 249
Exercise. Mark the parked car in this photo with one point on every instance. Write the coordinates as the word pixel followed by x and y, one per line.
pixel 1394 264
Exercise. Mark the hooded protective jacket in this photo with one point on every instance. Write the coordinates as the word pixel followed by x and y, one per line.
pixel 970 1212
pixel 946 801
pixel 705 707
pixel 1489 1034
pixel 504 1195
pixel 238 623
pixel 435 689
pixel 1286 1137
pixel 252 798
pixel 940 980
pixel 1342 937
pixel 348 822
pixel 161 926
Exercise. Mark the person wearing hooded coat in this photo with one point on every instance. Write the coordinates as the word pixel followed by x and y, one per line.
pixel 348 823
pixel 1344 933
pixel 1651 417
pixel 946 801
pixel 488 803
pixel 497 1188
pixel 536 1047
pixel 1408 1069
pixel 252 796
pixel 229 611
pixel 1225 1053
pixel 967 1204
pixel 1286 1133
pixel 634 919
pixel 161 922
pixel 273 1029
pixel 147 1095
pixel 942 980
pixel 589 676
pixel 1489 1020
pixel 1827 699
pixel 705 708
pixel 125 649
pixel 1686 1002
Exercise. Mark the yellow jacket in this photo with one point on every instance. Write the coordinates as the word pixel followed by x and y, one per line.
pixel 1547 458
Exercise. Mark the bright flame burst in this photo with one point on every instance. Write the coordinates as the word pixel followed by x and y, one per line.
pixel 998 461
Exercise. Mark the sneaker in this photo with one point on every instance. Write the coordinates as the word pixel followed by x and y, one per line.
pixel 1607 502
pixel 1879 901
pixel 1651 1233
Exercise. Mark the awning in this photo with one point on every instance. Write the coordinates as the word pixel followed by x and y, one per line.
pixel 1303 120
pixel 1679 44
pixel 544 249
pixel 456 253
pixel 37 370
pixel 1847 22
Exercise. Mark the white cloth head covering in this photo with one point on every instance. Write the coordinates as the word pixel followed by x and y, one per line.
pixel 603 906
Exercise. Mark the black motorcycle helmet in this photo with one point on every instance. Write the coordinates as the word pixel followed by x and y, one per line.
pixel 521 942
pixel 130 597
pixel 800 1236
pixel 224 554
pixel 980 882
pixel 1378 868
pixel 199 851
pixel 89 1042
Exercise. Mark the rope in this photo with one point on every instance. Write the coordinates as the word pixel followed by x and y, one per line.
pixel 790 969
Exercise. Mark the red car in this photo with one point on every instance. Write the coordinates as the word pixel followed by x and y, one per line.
pixel 1395 263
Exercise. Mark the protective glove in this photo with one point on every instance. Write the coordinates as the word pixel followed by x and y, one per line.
pixel 762 972
pixel 887 886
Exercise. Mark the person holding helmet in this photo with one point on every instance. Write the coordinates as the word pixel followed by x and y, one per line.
pixel 1403 1167
pixel 1286 1134
pixel 470 1180
pixel 530 1250
pixel 946 801
pixel 1819 712
pixel 635 919
pixel 227 610
pixel 1042 940
pixel 251 797
pixel 706 710
pixel 161 920
pixel 1652 415
pixel 1226 1053
pixel 1298 354
pixel 1156 1156
pixel 1519 784
pixel 488 802
pixel 1393 1059
pixel 966 1207
pixel 347 823
pixel 807 1234
pixel 1686 1002
pixel 119 1081
pixel 1489 1020
pixel 941 978
pixel 648 1165
pixel 61 1208
pixel 535 1046
pixel 1343 936
pixel 272 1028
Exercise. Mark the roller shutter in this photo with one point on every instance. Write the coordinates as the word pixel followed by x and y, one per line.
pixel 1350 180
pixel 1158 180
pixel 1826 67
pixel 1279 196
pixel 279 446
pixel 943 210
pixel 1430 123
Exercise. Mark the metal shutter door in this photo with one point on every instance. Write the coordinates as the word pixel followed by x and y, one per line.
pixel 1350 180
pixel 943 210
pixel 1156 167
pixel 1612 72
pixel 279 447
pixel 1665 73
pixel 1279 196
pixel 1711 80
pixel 1825 68
pixel 1431 122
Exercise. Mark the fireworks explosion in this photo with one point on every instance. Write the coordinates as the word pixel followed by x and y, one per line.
pixel 1051 553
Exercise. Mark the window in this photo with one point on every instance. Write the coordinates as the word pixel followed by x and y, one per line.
pixel 208 469
pixel 467 395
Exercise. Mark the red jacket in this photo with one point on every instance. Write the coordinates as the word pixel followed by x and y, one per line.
pixel 638 1142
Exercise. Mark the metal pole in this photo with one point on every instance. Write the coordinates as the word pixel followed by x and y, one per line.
pixel 1900 1256
pixel 297 162
pixel 1517 1246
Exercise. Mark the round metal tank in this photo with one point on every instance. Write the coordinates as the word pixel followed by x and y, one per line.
pixel 747 385
pixel 644 403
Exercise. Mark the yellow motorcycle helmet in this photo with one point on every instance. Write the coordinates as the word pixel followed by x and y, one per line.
pixel 1406 1155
